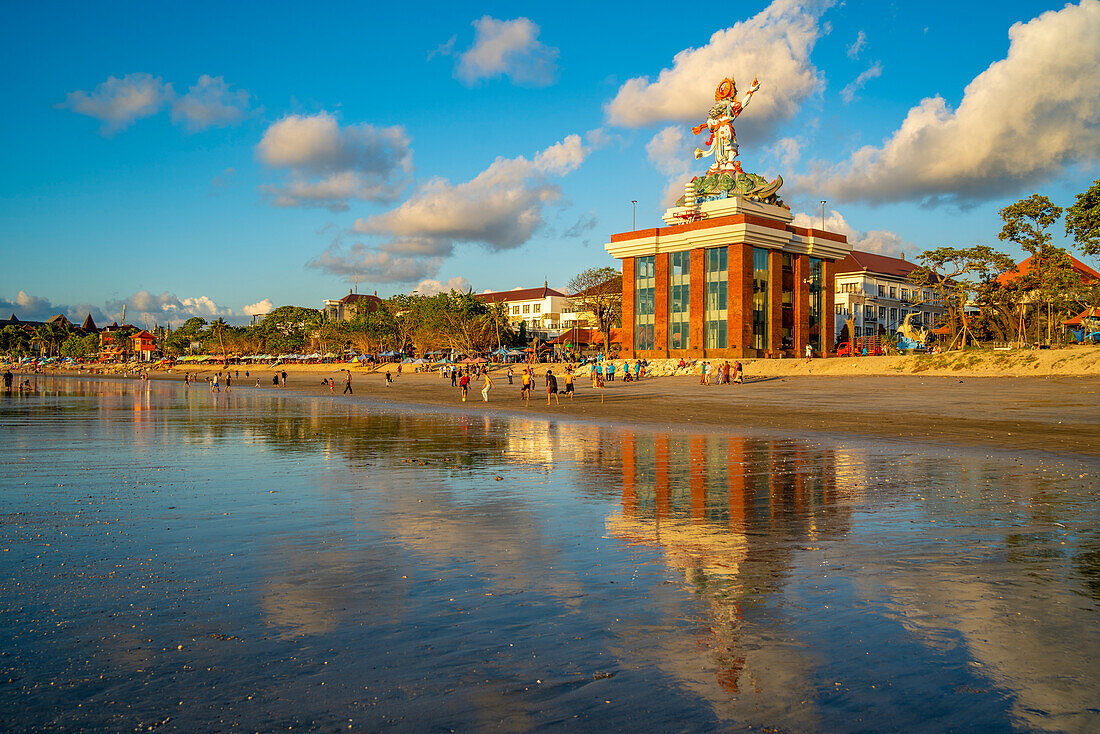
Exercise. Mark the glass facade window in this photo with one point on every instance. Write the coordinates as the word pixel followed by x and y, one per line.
pixel 679 300
pixel 645 300
pixel 893 315
pixel 760 298
pixel 716 260
pixel 816 331
pixel 786 329
pixel 882 313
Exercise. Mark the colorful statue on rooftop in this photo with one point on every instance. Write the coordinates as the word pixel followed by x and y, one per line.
pixel 723 138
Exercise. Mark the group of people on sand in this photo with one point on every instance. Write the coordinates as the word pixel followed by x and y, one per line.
pixel 724 374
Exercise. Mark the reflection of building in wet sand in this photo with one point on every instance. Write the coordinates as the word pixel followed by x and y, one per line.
pixel 729 512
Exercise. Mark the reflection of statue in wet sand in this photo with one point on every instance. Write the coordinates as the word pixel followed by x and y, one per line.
pixel 723 138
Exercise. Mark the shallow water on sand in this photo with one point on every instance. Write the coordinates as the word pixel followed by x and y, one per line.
pixel 195 562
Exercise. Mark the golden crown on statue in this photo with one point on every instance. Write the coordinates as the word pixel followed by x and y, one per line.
pixel 726 89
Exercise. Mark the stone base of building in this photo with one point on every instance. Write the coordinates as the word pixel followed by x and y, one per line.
pixel 730 353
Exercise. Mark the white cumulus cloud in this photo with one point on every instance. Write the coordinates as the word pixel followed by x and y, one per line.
pixel 118 102
pixel 775 44
pixel 879 241
pixel 1024 119
pixel 500 208
pixel 670 153
pixel 210 103
pixel 259 308
pixel 327 164
pixel 429 287
pixel 374 265
pixel 507 48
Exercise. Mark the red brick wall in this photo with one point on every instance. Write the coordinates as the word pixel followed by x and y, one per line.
pixel 828 308
pixel 628 308
pixel 740 301
pixel 698 299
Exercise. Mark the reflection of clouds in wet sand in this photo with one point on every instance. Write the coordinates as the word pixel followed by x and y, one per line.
pixel 309 591
pixel 1042 662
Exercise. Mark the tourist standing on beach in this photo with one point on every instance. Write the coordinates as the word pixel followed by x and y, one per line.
pixel 551 387
pixel 464 383
pixel 809 352
pixel 389 378
pixel 509 374
pixel 347 382
pixel 8 378
pixel 228 381
pixel 488 386
pixel 454 376
pixel 738 373
pixel 214 384
pixel 525 389
pixel 569 383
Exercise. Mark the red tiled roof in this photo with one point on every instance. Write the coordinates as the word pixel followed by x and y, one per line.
pixel 360 297
pixel 856 261
pixel 520 294
pixel 1079 318
pixel 1022 268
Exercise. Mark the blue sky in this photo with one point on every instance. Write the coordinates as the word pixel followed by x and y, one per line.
pixel 215 158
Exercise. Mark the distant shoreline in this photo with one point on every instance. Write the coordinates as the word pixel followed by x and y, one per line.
pixel 1055 413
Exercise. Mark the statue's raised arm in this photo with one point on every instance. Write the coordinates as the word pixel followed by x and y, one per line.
pixel 748 95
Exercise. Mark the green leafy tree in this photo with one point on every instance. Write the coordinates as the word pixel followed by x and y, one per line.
pixel 288 328
pixel 1083 220
pixel 599 291
pixel 1051 271
pixel 954 274
pixel 179 340
pixel 79 346
pixel 14 341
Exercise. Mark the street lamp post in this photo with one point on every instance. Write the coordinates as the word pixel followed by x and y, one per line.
pixel 633 214
pixel 823 215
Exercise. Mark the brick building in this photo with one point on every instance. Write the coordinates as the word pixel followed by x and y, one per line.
pixel 728 277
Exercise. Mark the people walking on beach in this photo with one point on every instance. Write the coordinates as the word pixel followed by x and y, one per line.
pixel 525 389
pixel 551 387
pixel 454 376
pixel 738 373
pixel 347 382
pixel 214 384
pixel 569 383
pixel 509 374
pixel 389 378
pixel 464 383
pixel 488 386
pixel 284 378
pixel 8 379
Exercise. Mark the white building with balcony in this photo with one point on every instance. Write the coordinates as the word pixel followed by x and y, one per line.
pixel 875 290
pixel 547 312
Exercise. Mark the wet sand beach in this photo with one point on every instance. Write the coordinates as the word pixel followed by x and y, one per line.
pixel 180 560
pixel 1051 413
